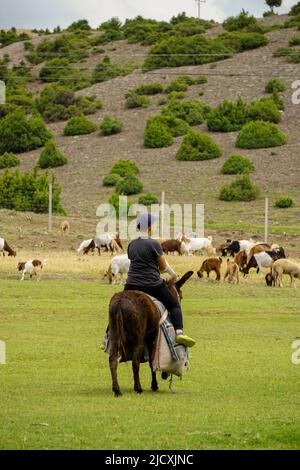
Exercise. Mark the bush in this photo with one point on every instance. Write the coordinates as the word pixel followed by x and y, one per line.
pixel 9 160
pixel 148 199
pixel 114 201
pixel 236 165
pixel 28 192
pixel 129 185
pixel 194 112
pixel 197 146
pixel 134 100
pixel 82 25
pixel 177 127
pixel 242 189
pixel 125 168
pixel 51 157
pixel 150 89
pixel 79 125
pixel 295 10
pixel 111 126
pixel 240 41
pixel 275 85
pixel 105 70
pixel 177 85
pixel 112 179
pixel 11 36
pixel 57 102
pixel 175 51
pixel 157 134
pixel 264 110
pixel 20 134
pixel 294 40
pixel 228 116
pixel 260 134
pixel 57 69
pixel 242 22
pixel 284 202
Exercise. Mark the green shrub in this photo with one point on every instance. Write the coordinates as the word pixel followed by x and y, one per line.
pixel 157 134
pixel 295 10
pixel 175 51
pixel 264 110
pixel 82 25
pixel 57 69
pixel 242 189
pixel 57 102
pixel 177 85
pixel 111 179
pixel 197 146
pixel 260 134
pixel 148 199
pixel 284 202
pixel 194 112
pixel 275 85
pixel 228 116
pixel 9 160
pixel 236 165
pixel 242 22
pixel 114 201
pixel 51 157
pixel 28 192
pixel 125 168
pixel 134 100
pixel 294 40
pixel 129 185
pixel 20 134
pixel 176 95
pixel 79 125
pixel 11 36
pixel 240 41
pixel 149 89
pixel 105 70
pixel 176 126
pixel 110 126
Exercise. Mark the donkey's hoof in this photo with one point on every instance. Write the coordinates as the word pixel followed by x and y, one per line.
pixel 154 388
pixel 118 393
pixel 138 390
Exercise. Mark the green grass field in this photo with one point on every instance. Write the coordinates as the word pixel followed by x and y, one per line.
pixel 242 390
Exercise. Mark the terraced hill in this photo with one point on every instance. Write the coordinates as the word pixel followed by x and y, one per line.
pixel 244 74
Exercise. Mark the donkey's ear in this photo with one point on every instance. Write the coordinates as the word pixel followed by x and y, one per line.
pixel 183 280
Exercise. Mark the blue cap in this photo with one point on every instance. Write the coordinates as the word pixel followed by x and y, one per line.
pixel 144 221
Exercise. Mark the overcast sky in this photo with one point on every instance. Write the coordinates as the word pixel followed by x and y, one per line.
pixel 51 13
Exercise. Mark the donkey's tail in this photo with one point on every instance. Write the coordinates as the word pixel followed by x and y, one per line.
pixel 119 329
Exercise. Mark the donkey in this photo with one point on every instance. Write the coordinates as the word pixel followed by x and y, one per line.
pixel 133 323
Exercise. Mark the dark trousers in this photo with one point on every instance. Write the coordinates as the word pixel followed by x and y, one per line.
pixel 162 293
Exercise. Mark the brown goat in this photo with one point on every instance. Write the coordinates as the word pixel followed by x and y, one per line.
pixel 211 264
pixel 241 259
pixel 232 272
pixel 172 246
pixel 65 227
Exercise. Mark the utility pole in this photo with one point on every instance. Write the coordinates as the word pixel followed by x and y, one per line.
pixel 199 7
pixel 266 220
pixel 162 214
pixel 50 208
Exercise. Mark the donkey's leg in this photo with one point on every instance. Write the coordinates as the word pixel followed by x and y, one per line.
pixel 113 364
pixel 150 346
pixel 136 357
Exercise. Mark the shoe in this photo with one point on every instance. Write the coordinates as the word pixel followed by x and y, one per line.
pixel 185 340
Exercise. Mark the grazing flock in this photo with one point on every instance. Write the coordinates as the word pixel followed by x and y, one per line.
pixel 241 257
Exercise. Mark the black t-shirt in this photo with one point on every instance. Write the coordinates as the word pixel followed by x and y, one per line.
pixel 143 254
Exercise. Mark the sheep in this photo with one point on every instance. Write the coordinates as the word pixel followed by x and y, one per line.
pixel 232 272
pixel 29 267
pixel 285 266
pixel 119 265
pixel 192 245
pixel 83 246
pixel 211 264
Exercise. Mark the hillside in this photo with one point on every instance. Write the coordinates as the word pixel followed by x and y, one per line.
pixel 245 74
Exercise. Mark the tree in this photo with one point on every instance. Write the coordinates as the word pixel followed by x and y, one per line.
pixel 274 4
